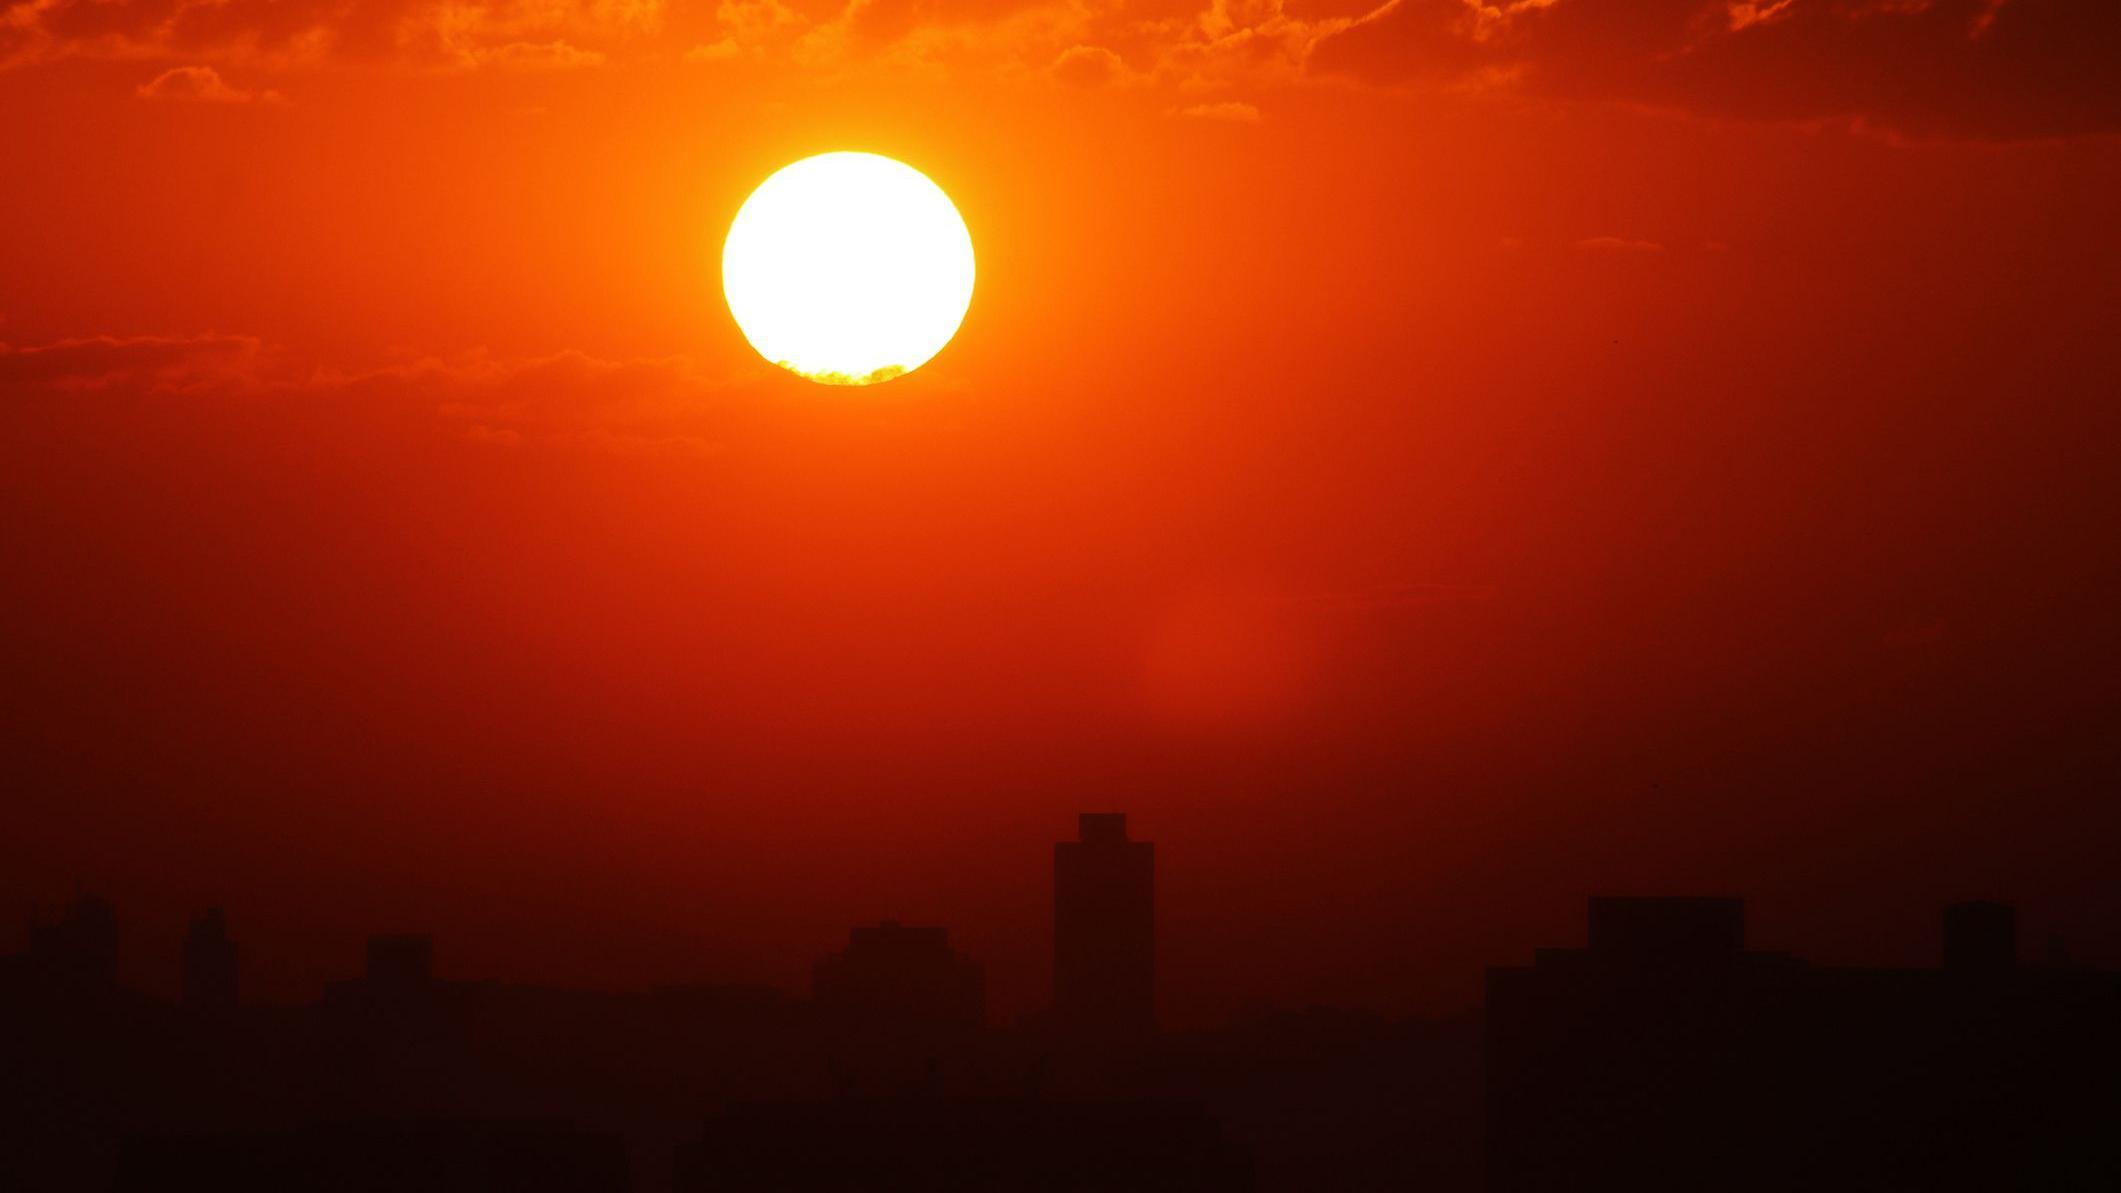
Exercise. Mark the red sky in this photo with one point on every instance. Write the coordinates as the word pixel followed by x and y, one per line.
pixel 1426 465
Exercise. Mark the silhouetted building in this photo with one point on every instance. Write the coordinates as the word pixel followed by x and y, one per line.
pixel 1980 936
pixel 400 963
pixel 209 962
pixel 937 1145
pixel 416 1156
pixel 893 972
pixel 1104 931
pixel 80 948
pixel 1666 1056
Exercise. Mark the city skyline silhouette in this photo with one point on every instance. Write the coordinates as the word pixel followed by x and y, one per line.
pixel 1646 1059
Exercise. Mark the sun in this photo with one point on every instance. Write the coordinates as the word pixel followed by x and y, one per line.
pixel 848 268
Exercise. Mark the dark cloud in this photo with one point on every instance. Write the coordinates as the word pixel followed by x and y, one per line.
pixel 567 399
pixel 155 363
pixel 1406 41
pixel 1995 69
pixel 295 32
pixel 1992 69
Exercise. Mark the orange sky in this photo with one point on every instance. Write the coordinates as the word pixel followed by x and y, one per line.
pixel 1425 464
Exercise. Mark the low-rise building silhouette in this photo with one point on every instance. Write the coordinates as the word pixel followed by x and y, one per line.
pixel 898 973
pixel 950 1145
pixel 80 948
pixel 210 959
pixel 1668 1056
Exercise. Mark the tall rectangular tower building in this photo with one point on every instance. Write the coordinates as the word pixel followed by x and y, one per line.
pixel 1104 930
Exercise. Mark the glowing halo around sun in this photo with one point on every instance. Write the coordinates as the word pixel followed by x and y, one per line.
pixel 848 268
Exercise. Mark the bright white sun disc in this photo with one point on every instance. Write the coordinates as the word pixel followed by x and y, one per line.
pixel 848 268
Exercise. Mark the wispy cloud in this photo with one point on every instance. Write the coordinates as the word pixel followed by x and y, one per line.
pixel 200 84
pixel 1229 111
pixel 1618 244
